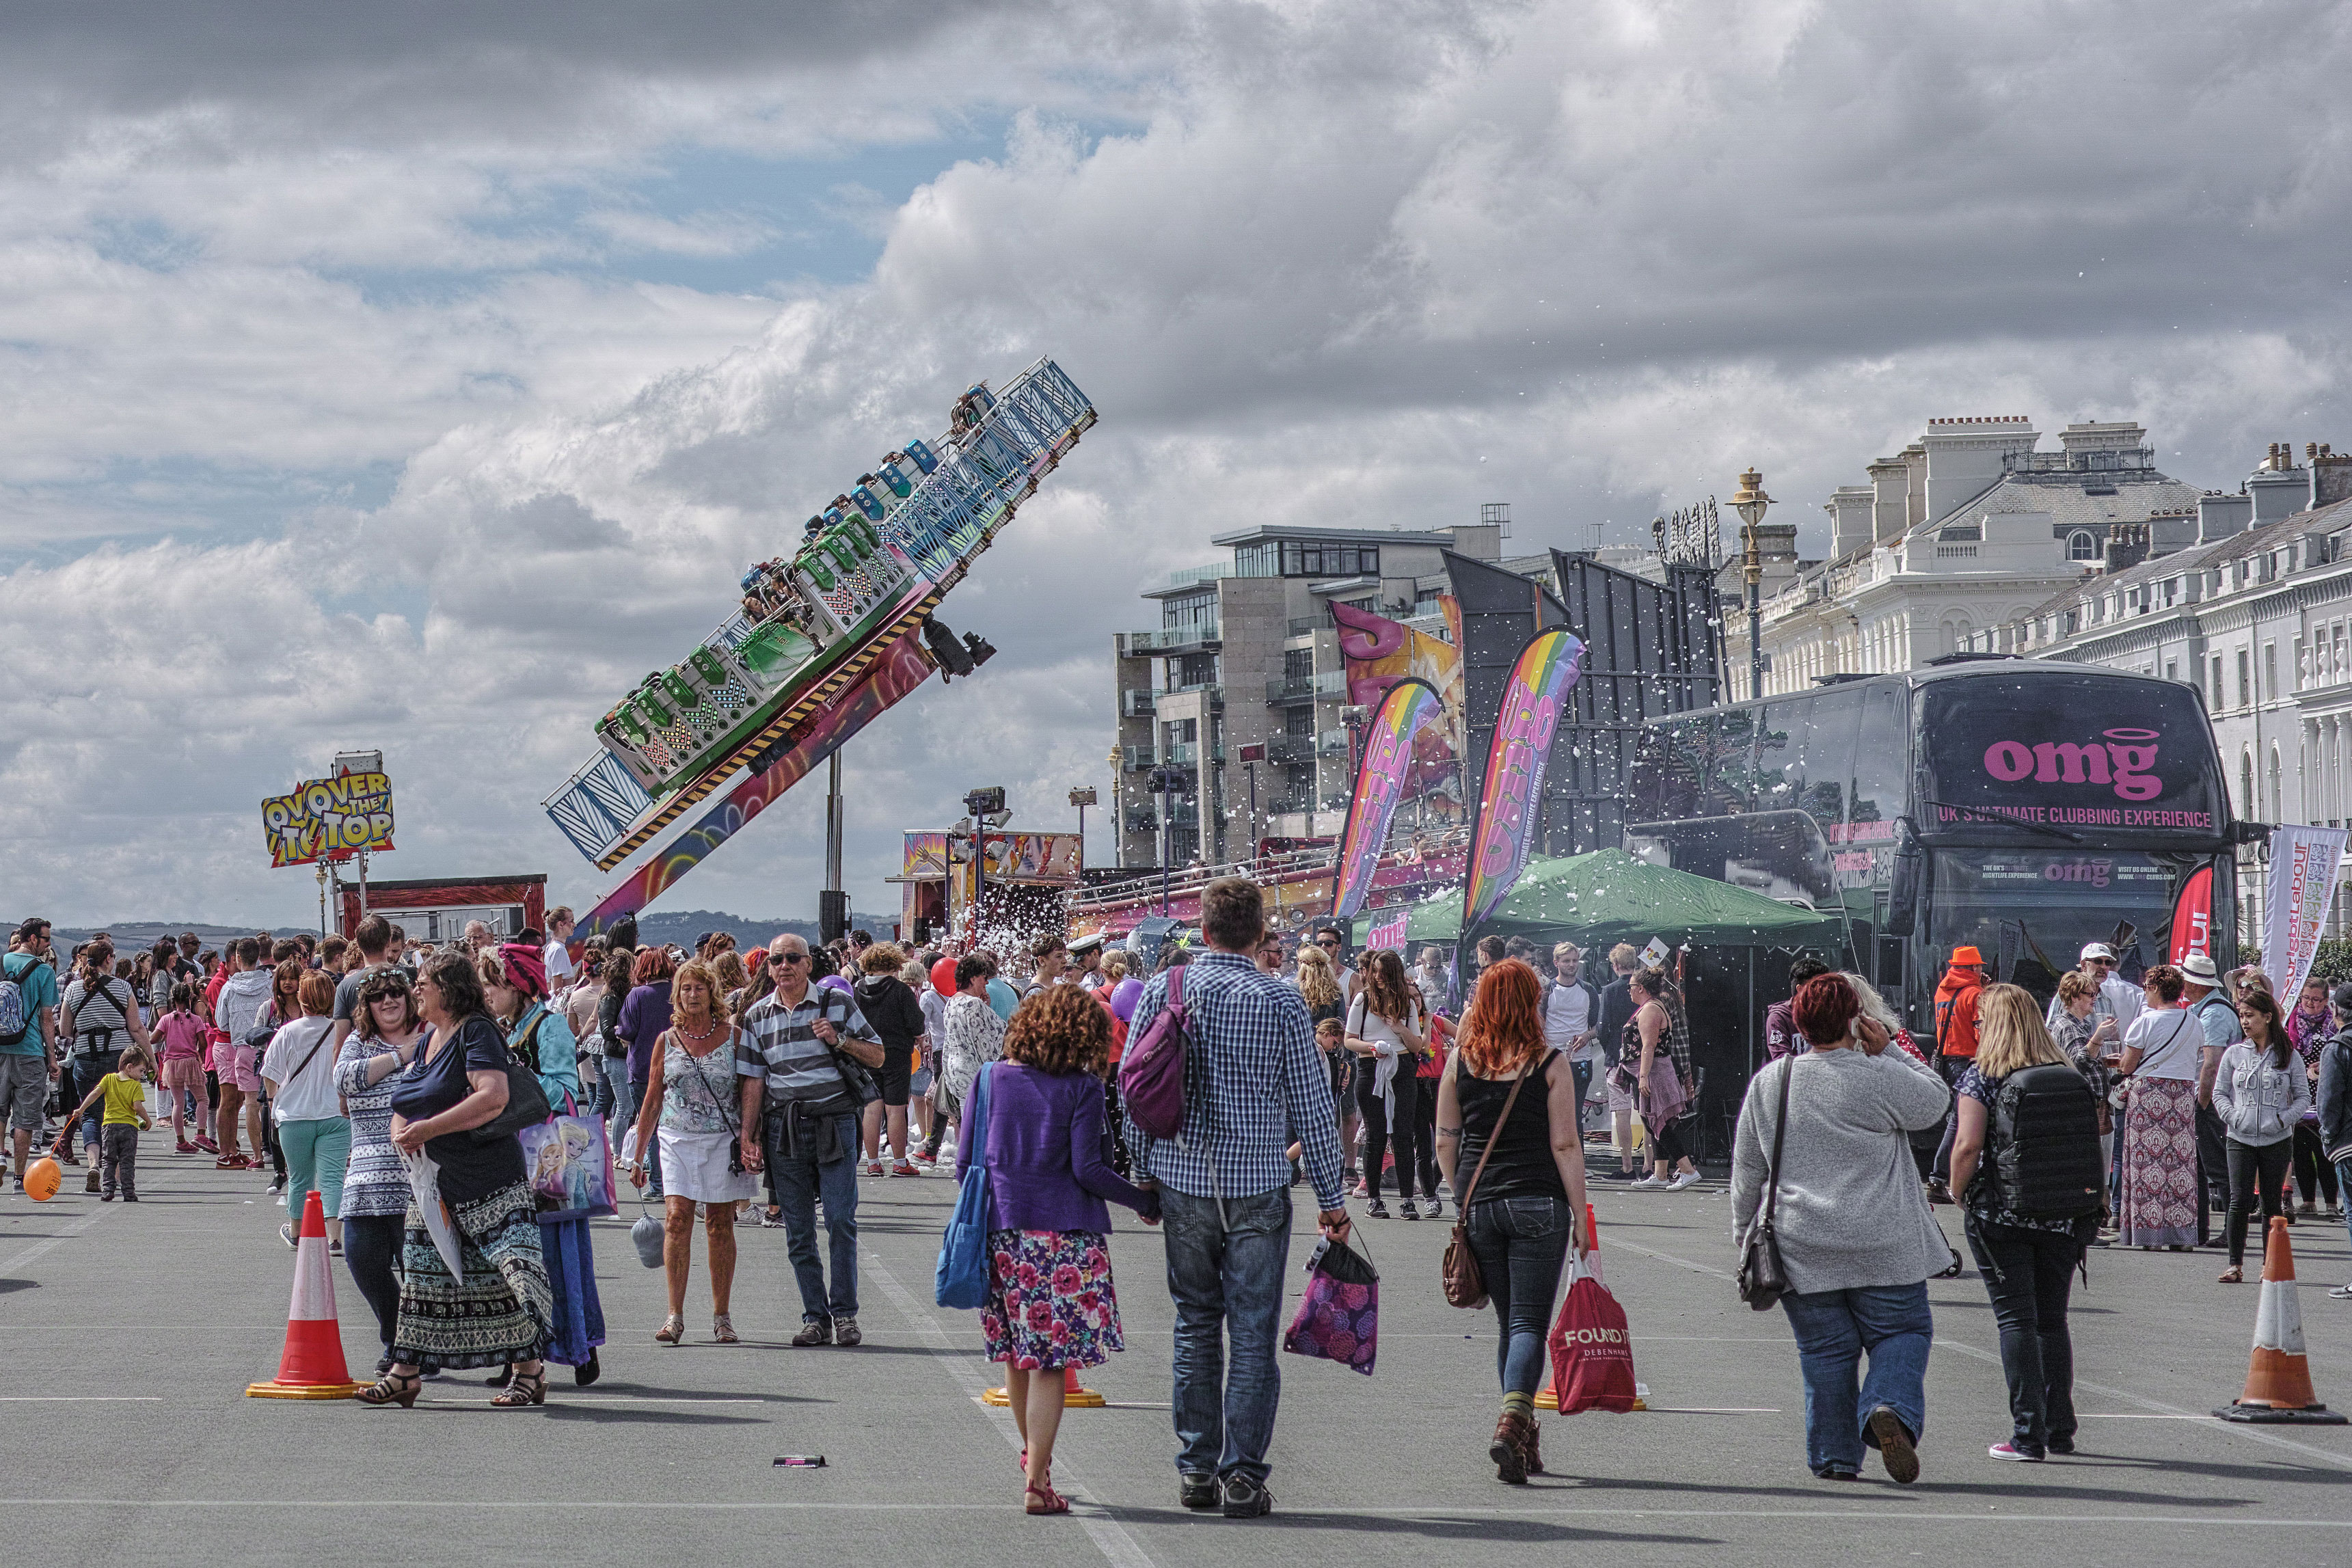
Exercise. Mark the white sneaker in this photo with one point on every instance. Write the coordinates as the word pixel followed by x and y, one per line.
pixel 1646 1185
pixel 1687 1179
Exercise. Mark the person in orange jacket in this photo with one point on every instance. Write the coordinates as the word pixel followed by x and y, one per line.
pixel 1956 1048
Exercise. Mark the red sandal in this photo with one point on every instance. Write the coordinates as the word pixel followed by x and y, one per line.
pixel 1053 1501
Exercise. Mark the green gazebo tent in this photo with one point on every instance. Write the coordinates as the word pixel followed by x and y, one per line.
pixel 1608 896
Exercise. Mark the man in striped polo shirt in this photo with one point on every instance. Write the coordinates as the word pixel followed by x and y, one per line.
pixel 799 1121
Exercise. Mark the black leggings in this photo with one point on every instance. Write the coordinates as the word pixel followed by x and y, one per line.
pixel 372 1251
pixel 1666 1146
pixel 1377 1134
pixel 2312 1170
pixel 2250 1163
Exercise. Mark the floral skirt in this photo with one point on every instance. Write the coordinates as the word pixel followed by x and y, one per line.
pixel 501 1310
pixel 2161 1202
pixel 1050 1301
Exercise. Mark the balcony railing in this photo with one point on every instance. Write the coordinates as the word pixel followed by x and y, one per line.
pixel 1138 758
pixel 1292 689
pixel 1331 744
pixel 1290 749
pixel 1137 702
pixel 1187 754
pixel 1169 640
pixel 1300 625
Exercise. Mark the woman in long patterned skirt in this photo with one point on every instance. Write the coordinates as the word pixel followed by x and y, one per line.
pixel 2159 1157
pixel 497 1309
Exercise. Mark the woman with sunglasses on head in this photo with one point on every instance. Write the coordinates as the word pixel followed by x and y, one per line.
pixel 385 1036
pixel 514 984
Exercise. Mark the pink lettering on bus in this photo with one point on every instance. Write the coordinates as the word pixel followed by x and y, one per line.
pixel 2119 759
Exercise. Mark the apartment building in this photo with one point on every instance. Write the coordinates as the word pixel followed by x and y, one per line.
pixel 1243 656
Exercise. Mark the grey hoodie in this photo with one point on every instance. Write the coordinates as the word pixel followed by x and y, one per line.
pixel 2259 1101
pixel 242 997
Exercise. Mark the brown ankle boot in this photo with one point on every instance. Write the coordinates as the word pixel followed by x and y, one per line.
pixel 1532 1449
pixel 1508 1450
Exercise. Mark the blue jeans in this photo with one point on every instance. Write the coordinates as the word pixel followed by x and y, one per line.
pixel 1226 1279
pixel 1833 1328
pixel 800 1182
pixel 1520 1244
pixel 633 1098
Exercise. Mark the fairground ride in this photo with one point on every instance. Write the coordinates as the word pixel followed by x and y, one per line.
pixel 826 639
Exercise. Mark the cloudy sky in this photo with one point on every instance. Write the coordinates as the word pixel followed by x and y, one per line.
pixel 418 378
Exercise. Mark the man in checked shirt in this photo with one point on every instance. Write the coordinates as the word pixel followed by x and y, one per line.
pixel 1255 1084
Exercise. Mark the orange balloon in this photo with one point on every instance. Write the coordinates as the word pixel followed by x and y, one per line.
pixel 42 1179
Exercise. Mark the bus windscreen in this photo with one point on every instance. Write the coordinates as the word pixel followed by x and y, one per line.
pixel 2093 753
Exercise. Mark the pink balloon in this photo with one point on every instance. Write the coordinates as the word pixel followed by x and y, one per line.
pixel 1123 998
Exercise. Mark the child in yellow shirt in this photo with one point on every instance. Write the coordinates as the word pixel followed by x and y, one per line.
pixel 125 1094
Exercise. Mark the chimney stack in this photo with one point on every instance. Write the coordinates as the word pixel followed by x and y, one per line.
pixel 2126 546
pixel 2331 474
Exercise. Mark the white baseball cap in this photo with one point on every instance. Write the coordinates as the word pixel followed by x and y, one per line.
pixel 2095 950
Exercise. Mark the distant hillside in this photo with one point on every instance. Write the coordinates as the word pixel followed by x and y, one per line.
pixel 679 926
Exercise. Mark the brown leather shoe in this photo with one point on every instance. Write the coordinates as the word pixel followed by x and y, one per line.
pixel 1532 1449
pixel 1508 1450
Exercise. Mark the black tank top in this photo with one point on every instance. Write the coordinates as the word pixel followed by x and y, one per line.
pixel 1522 1166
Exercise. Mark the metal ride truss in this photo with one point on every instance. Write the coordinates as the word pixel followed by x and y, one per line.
pixel 986 470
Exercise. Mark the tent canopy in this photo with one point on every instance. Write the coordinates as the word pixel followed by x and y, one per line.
pixel 1608 896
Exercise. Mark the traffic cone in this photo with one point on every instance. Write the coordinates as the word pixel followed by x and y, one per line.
pixel 312 1366
pixel 1074 1396
pixel 1548 1397
pixel 2278 1382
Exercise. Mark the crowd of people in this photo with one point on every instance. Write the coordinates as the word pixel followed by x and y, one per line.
pixel 396 1081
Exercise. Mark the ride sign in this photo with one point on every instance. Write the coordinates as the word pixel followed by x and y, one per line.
pixel 324 819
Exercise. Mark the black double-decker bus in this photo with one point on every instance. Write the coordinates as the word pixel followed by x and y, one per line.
pixel 2022 807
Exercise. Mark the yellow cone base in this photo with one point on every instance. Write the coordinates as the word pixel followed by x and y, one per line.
pixel 303 1390
pixel 1072 1399
pixel 1548 1400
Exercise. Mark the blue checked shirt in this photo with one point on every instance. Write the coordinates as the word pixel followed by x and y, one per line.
pixel 1253 1085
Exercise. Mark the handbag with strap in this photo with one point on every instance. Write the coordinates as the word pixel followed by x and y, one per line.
pixel 961 1278
pixel 1763 1279
pixel 1464 1286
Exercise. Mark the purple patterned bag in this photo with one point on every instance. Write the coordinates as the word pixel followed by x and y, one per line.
pixel 1340 1316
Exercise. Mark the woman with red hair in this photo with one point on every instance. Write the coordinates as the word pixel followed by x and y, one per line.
pixel 1507 1106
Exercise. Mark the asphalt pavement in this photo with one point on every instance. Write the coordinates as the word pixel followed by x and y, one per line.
pixel 131 1333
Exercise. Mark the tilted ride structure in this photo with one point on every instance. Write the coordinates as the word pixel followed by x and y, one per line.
pixel 826 639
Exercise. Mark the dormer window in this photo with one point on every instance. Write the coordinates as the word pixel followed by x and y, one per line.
pixel 1963 534
pixel 2082 545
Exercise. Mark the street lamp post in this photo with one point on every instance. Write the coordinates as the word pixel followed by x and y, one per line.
pixel 1082 798
pixel 1750 503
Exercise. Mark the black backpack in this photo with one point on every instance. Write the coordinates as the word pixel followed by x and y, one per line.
pixel 2044 1152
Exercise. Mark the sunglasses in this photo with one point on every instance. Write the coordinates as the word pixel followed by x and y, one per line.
pixel 788 958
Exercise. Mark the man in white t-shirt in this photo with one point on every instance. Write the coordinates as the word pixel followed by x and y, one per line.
pixel 1571 1012
pixel 560 925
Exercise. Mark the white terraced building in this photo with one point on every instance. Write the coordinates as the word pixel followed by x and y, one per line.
pixel 2255 609
pixel 1970 526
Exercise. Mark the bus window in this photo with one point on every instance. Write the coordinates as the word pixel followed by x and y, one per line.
pixel 2031 910
pixel 1780 754
pixel 1667 769
pixel 1731 762
pixel 1828 761
pixel 1882 762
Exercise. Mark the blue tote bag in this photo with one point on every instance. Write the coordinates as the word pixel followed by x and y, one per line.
pixel 963 1279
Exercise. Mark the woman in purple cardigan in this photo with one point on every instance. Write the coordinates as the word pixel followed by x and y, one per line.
pixel 1050 1303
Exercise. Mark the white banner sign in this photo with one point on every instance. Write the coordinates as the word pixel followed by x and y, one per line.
pixel 2294 903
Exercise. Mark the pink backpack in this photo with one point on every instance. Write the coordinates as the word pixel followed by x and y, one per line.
pixel 1151 1074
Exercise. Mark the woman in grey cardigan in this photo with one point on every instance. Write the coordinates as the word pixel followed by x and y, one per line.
pixel 1854 1232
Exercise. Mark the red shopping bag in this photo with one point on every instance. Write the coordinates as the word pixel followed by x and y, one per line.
pixel 1592 1351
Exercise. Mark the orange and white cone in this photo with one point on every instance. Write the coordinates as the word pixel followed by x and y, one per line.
pixel 2278 1382
pixel 312 1366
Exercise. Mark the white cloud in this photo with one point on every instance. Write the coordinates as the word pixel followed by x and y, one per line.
pixel 1348 262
